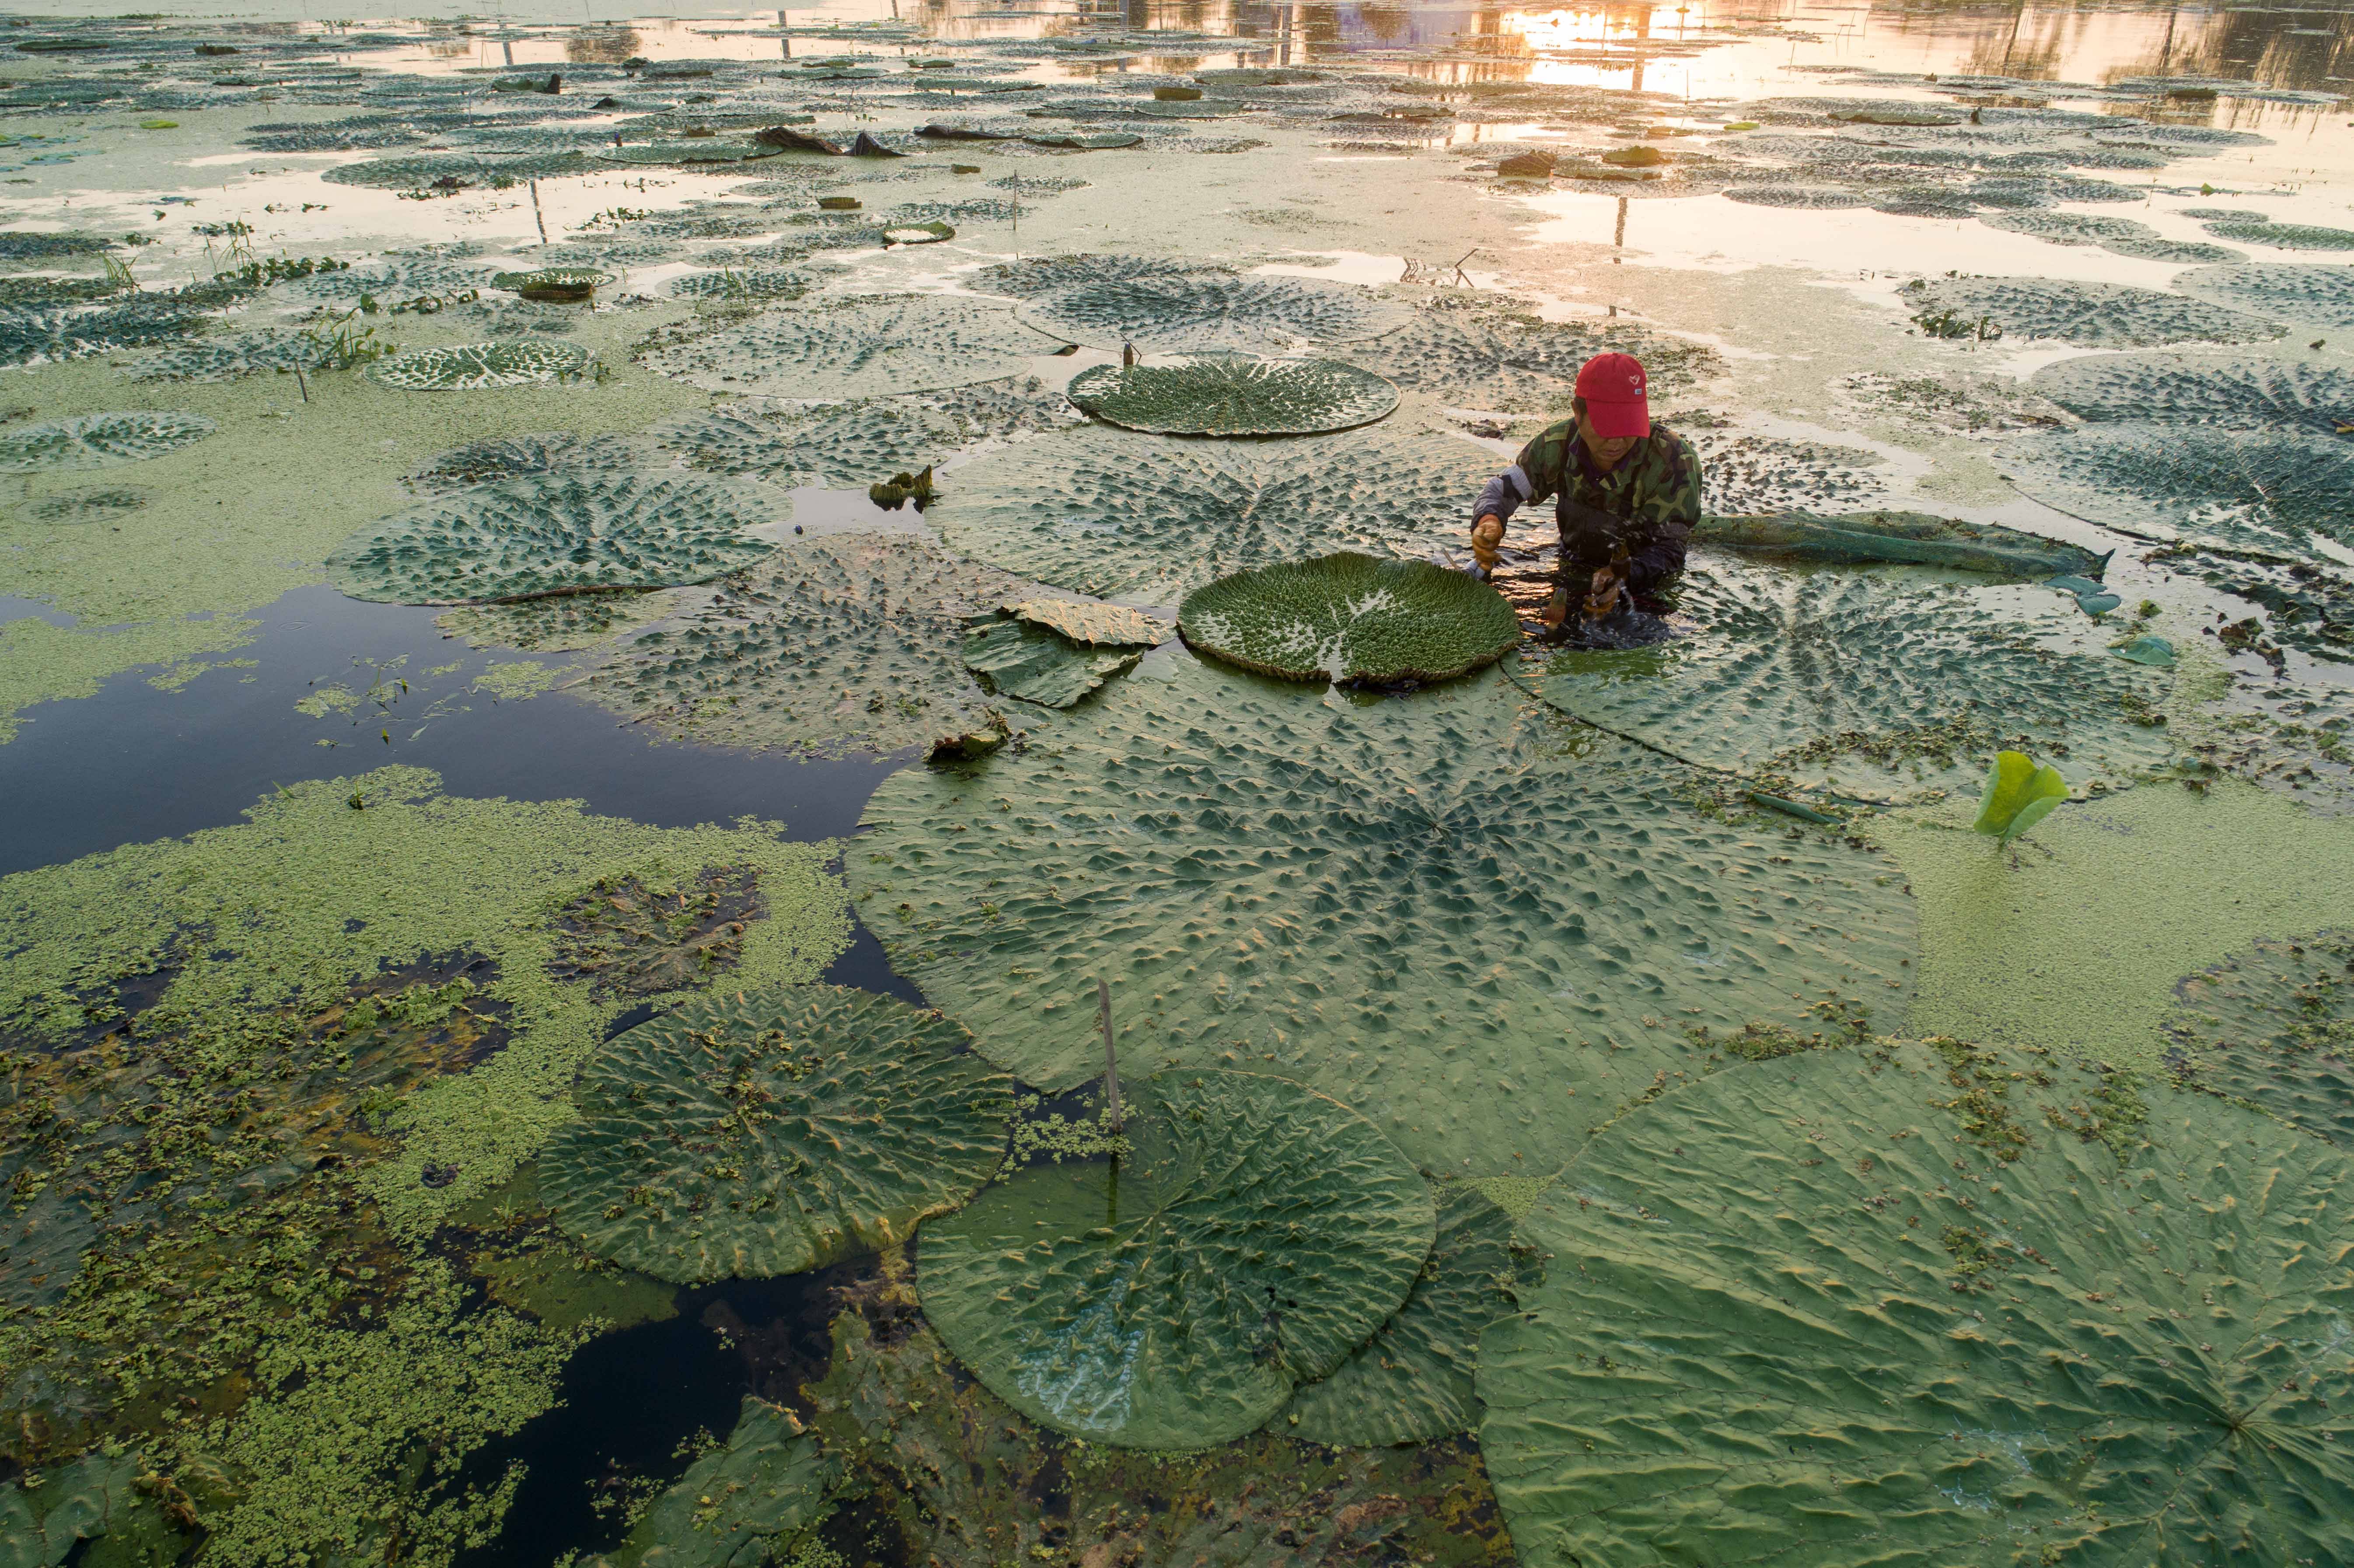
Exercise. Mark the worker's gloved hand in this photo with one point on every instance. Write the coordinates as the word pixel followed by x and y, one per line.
pixel 1556 609
pixel 1486 534
pixel 1608 591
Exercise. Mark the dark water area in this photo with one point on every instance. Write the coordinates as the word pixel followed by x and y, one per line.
pixel 136 763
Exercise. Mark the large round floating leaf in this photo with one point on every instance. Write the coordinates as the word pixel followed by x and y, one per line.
pixel 2228 391
pixel 841 448
pixel 2098 315
pixel 1479 353
pixel 99 440
pixel 457 171
pixel 1237 857
pixel 1350 617
pixel 2309 293
pixel 1870 681
pixel 1208 310
pixel 1414 1381
pixel 837 644
pixel 1925 1304
pixel 749 283
pixel 1232 395
pixel 739 1505
pixel 907 344
pixel 2270 490
pixel 1111 511
pixel 227 359
pixel 473 366
pixel 1258 1233
pixel 2283 236
pixel 765 1132
pixel 1037 276
pixel 1822 197
pixel 552 534
pixel 2275 1027
pixel 517 457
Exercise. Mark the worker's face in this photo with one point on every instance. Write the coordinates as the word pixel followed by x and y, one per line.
pixel 1606 451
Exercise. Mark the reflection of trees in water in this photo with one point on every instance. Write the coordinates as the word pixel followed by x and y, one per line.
pixel 606 45
pixel 2274 49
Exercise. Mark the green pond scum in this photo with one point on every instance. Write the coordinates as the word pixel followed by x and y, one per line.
pixel 582 986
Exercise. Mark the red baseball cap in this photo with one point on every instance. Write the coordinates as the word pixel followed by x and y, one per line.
pixel 1612 386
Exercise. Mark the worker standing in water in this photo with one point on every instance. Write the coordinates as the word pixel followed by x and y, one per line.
pixel 1627 493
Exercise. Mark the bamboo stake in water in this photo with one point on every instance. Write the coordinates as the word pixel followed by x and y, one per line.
pixel 1111 1063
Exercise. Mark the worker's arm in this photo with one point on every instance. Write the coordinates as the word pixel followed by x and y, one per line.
pixel 1665 513
pixel 1533 476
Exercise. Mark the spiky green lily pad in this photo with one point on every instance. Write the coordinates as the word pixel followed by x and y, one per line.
pixel 749 284
pixel 227 359
pixel 1480 356
pixel 1350 617
pixel 1234 395
pixel 1210 310
pixel 1235 856
pixel 2234 392
pixel 1412 1382
pixel 99 440
pixel 905 344
pixel 833 645
pixel 2318 294
pixel 2098 315
pixel 552 534
pixel 563 284
pixel 473 366
pixel 1258 1233
pixel 2285 236
pixel 519 457
pixel 842 447
pixel 739 1505
pixel 1927 1304
pixel 2275 1027
pixel 95 1497
pixel 1018 659
pixel 1112 512
pixel 1873 682
pixel 2270 490
pixel 766 1132
pixel 459 170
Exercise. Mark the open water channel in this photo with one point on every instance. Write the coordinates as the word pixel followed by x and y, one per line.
pixel 611 703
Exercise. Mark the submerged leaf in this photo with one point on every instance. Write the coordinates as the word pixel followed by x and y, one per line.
pixel 738 1507
pixel 1172 1299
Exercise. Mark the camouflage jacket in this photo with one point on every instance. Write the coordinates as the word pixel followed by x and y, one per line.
pixel 1654 490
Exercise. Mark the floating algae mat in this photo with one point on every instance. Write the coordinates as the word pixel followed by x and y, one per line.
pixel 1869 682
pixel 1148 1012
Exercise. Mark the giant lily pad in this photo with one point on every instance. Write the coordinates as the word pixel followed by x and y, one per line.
pixel 2270 490
pixel 1877 683
pixel 2098 315
pixel 473 366
pixel 2235 392
pixel 2275 1027
pixel 840 447
pixel 2318 294
pixel 1927 1304
pixel 1412 1382
pixel 1478 356
pixel 99 440
pixel 1258 1233
pixel 457 171
pixel 905 344
pixel 1234 395
pixel 564 532
pixel 738 1507
pixel 836 644
pixel 519 457
pixel 768 1132
pixel 1112 512
pixel 1348 616
pixel 1210 310
pixel 2284 236
pixel 1235 857
pixel 1037 665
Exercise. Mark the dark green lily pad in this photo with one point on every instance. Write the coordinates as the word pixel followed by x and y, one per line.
pixel 1871 681
pixel 2230 392
pixel 773 1131
pixel 905 344
pixel 563 531
pixel 2274 1026
pixel 1351 617
pixel 1414 1381
pixel 520 457
pixel 2097 315
pixel 1115 513
pixel 2317 295
pixel 2285 236
pixel 740 1506
pixel 1197 310
pixel 458 170
pixel 2269 489
pixel 1236 856
pixel 1924 1303
pixel 473 366
pixel 1234 395
pixel 1258 1233
pixel 1473 353
pixel 99 440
